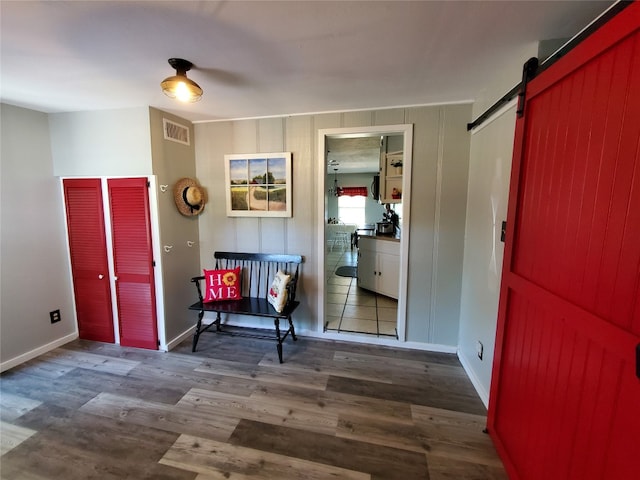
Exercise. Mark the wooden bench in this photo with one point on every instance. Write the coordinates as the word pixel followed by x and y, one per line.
pixel 257 273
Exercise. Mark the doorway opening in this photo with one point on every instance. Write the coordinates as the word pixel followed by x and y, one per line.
pixel 364 290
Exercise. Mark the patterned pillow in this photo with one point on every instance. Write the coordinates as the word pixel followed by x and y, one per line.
pixel 222 285
pixel 278 291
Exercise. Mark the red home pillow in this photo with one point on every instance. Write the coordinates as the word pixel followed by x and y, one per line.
pixel 222 285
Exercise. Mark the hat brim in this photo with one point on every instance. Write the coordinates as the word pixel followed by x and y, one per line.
pixel 178 195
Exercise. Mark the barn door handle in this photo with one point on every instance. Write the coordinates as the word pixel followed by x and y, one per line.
pixel 638 360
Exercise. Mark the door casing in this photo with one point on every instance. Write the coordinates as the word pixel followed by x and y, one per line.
pixel 407 131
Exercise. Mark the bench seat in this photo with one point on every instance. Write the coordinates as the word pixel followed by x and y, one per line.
pixel 257 273
pixel 259 307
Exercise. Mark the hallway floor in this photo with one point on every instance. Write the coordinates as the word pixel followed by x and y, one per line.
pixel 335 410
pixel 350 309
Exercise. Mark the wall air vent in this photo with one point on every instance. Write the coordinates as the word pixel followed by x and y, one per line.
pixel 175 132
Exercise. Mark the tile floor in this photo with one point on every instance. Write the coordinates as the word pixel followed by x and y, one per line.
pixel 350 309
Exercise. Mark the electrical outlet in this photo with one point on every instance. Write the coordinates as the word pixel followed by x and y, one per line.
pixel 54 316
pixel 479 349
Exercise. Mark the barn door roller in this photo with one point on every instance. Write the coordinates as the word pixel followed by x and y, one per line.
pixel 611 12
pixel 528 72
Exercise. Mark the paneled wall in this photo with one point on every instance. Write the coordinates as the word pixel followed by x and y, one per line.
pixel 438 205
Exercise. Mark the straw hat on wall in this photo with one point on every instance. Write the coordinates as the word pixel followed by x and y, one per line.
pixel 189 197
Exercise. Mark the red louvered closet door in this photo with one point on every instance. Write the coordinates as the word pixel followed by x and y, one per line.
pixel 133 262
pixel 565 393
pixel 89 265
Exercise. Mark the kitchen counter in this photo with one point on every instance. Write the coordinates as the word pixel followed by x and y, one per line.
pixel 369 231
pixel 390 237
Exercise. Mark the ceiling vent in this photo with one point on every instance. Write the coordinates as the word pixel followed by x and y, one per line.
pixel 175 132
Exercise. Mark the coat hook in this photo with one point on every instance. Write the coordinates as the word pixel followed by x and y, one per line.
pixel 190 243
pixel 167 248
pixel 163 188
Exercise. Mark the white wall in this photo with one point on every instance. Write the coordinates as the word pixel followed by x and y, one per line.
pixel 34 274
pixel 101 143
pixel 440 166
pixel 490 167
pixel 130 142
pixel 488 190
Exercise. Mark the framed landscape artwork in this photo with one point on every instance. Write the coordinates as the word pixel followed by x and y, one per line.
pixel 258 184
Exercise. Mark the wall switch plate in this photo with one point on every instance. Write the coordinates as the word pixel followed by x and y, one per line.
pixel 479 349
pixel 54 316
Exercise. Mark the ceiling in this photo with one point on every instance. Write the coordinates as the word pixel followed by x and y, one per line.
pixel 267 58
pixel 353 155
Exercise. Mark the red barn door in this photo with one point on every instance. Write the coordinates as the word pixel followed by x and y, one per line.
pixel 565 393
pixel 89 265
pixel 133 262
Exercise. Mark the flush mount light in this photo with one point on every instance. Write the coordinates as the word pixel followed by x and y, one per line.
pixel 179 86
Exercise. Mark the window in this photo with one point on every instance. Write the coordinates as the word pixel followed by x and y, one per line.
pixel 351 209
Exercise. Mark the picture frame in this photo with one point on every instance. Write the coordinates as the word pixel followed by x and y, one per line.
pixel 258 184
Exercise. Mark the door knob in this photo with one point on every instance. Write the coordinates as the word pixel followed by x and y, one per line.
pixel 100 277
pixel 115 278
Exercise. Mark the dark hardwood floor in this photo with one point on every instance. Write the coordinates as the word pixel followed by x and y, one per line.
pixel 230 411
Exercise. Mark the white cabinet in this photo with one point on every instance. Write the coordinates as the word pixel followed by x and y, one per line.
pixel 379 265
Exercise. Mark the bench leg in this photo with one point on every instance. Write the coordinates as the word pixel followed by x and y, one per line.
pixel 217 322
pixel 292 330
pixel 196 334
pixel 276 322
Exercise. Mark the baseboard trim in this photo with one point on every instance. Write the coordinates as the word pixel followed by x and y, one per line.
pixel 179 339
pixel 25 357
pixel 482 392
pixel 373 340
pixel 344 337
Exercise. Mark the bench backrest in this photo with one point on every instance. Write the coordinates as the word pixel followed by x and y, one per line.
pixel 259 270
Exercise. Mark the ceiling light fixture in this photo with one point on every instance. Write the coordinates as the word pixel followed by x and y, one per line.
pixel 179 86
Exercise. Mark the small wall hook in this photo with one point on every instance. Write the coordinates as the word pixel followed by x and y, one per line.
pixel 163 188
pixel 190 243
pixel 167 248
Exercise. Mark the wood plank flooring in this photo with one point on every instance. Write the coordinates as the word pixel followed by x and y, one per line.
pixel 333 410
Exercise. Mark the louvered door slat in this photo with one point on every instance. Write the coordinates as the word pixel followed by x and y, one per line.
pixel 89 266
pixel 133 262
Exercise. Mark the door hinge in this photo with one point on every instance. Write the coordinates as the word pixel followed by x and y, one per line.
pixel 148 184
pixel 158 342
pixel 638 360
pixel 503 231
pixel 153 263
